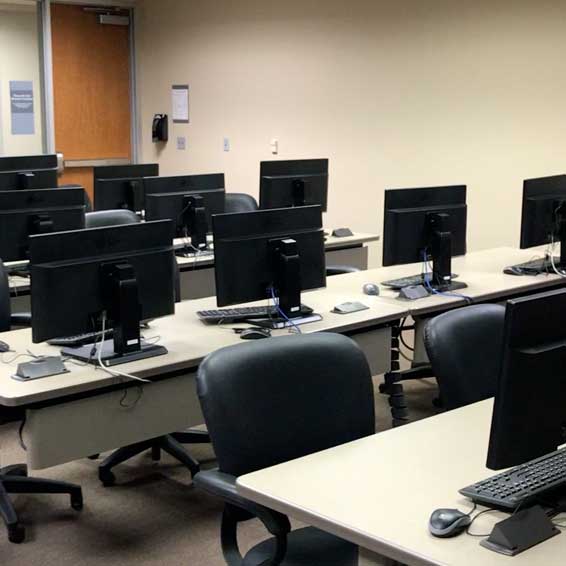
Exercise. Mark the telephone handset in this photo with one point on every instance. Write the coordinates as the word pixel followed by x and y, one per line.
pixel 159 130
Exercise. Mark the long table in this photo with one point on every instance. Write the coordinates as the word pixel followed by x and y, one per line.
pixel 379 492
pixel 79 413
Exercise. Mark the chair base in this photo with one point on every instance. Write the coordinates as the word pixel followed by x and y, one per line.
pixel 307 547
pixel 13 479
pixel 192 436
pixel 167 443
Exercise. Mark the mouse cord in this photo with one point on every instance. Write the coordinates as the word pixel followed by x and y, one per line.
pixel 487 511
pixel 473 520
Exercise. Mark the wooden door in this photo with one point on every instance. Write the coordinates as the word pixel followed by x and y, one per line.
pixel 91 86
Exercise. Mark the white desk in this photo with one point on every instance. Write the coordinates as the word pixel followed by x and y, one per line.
pixel 77 414
pixel 379 492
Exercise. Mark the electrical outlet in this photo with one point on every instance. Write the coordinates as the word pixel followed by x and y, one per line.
pixel 181 142
pixel 226 144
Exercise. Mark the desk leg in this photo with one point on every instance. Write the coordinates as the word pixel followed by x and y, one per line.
pixel 392 385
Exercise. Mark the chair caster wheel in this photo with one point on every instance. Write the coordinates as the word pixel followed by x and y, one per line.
pixel 16 533
pixel 107 478
pixel 77 501
pixel 383 388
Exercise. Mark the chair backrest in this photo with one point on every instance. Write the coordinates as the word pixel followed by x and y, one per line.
pixel 88 203
pixel 273 400
pixel 464 348
pixel 5 307
pixel 102 218
pixel 240 202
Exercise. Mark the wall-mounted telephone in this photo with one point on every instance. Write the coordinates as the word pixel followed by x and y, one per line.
pixel 160 128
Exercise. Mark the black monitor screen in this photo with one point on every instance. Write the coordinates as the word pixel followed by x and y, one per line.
pixel 69 268
pixel 244 262
pixel 24 213
pixel 298 182
pixel 529 414
pixel 406 235
pixel 540 199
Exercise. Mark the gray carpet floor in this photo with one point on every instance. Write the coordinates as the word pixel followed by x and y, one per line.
pixel 152 516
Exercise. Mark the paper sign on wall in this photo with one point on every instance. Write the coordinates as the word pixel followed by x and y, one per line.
pixel 21 108
pixel 180 103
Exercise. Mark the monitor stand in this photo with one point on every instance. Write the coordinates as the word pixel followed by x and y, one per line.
pixel 89 353
pixel 442 279
pixel 287 280
pixel 536 266
pixel 120 287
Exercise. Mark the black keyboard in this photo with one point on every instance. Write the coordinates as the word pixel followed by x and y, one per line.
pixel 243 313
pixel 81 339
pixel 20 271
pixel 522 484
pixel 537 266
pixel 410 281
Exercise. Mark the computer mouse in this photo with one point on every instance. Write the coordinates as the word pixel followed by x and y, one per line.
pixel 255 333
pixel 4 347
pixel 513 271
pixel 446 523
pixel 371 289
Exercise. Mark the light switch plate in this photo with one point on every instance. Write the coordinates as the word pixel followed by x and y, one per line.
pixel 181 142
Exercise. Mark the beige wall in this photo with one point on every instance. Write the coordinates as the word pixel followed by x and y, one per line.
pixel 19 61
pixel 396 94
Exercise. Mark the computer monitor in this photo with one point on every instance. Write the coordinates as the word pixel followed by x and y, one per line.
pixel 293 183
pixel 529 414
pixel 112 194
pixel 120 275
pixel 426 223
pixel 121 186
pixel 190 210
pixel 189 201
pixel 28 212
pixel 544 213
pixel 279 249
pixel 28 172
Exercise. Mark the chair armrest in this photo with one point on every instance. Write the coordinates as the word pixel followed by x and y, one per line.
pixel 237 509
pixel 223 485
pixel 20 319
pixel 340 269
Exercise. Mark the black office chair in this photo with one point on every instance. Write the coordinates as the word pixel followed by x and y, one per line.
pixel 269 402
pixel 464 348
pixel 240 202
pixel 103 218
pixel 13 479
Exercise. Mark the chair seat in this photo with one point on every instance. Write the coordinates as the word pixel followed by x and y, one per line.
pixel 307 547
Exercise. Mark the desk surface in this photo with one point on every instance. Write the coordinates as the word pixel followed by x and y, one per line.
pixel 482 271
pixel 379 492
pixel 188 341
